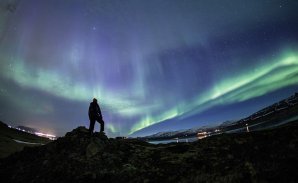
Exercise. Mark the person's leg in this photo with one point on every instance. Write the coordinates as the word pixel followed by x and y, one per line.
pixel 102 125
pixel 99 120
pixel 91 126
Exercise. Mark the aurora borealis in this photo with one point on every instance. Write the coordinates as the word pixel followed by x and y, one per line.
pixel 154 65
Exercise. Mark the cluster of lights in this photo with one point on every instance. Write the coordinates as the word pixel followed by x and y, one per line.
pixel 50 136
pixel 20 129
pixel 205 134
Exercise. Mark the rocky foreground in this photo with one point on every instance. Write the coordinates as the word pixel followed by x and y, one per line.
pixel 264 156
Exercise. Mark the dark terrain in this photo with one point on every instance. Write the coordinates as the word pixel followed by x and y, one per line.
pixel 260 156
pixel 9 146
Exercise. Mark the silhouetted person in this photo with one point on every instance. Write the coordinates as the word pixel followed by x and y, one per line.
pixel 95 115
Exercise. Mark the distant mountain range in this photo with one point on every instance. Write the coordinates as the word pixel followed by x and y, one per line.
pixel 276 114
pixel 27 129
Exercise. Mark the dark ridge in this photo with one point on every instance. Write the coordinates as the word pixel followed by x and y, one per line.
pixel 260 156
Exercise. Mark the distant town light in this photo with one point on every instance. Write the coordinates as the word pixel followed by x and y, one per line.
pixel 50 136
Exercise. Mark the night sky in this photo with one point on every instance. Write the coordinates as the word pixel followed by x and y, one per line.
pixel 154 65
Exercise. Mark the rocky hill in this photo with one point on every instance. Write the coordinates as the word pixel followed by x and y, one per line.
pixel 263 156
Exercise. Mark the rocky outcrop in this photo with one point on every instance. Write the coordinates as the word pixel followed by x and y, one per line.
pixel 266 156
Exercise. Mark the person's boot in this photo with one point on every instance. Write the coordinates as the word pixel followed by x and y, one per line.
pixel 90 132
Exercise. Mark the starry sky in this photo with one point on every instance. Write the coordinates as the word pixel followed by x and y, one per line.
pixel 154 66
